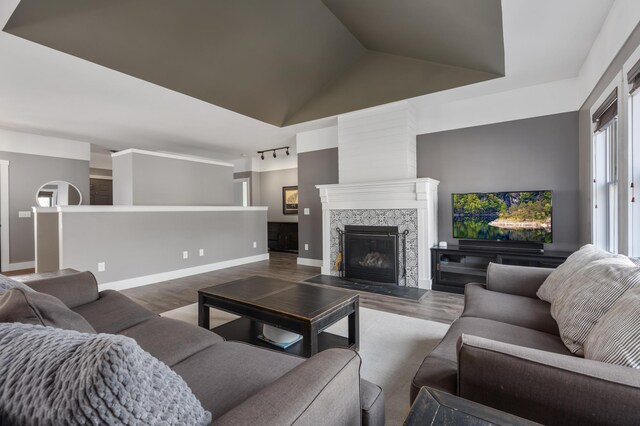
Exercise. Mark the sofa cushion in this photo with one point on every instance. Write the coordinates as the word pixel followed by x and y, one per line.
pixel 31 307
pixel 7 284
pixel 515 279
pixel 555 282
pixel 439 370
pixel 616 337
pixel 113 312
pixel 516 310
pixel 227 373
pixel 55 376
pixel 169 340
pixel 72 287
pixel 588 295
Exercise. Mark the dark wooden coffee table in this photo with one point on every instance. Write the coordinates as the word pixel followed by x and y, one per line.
pixel 301 308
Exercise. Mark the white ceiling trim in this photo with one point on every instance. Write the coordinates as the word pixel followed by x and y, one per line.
pixel 27 143
pixel 622 19
pixel 315 140
pixel 172 156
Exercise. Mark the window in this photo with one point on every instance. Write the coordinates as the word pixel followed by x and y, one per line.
pixel 634 159
pixel 605 175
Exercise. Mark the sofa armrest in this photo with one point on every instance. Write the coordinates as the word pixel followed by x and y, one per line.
pixel 517 280
pixel 325 389
pixel 545 387
pixel 73 288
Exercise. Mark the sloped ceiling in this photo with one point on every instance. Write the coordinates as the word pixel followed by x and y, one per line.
pixel 280 61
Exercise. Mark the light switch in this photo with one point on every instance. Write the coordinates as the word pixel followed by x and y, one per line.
pixel 306 211
pixel 24 214
pixel 101 267
pixel 306 246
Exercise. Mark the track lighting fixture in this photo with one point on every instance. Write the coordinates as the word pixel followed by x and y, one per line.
pixel 274 150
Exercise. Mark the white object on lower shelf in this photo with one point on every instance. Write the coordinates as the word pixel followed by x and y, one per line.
pixel 279 335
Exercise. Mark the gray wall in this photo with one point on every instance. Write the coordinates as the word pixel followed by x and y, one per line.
pixel 122 170
pixel 47 247
pixel 138 244
pixel 27 173
pixel 532 154
pixel 271 184
pixel 314 168
pixel 167 181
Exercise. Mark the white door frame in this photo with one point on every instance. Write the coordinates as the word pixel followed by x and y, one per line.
pixel 4 215
pixel 248 182
pixel 5 248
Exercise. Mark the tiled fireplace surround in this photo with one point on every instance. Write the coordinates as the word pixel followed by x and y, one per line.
pixel 409 204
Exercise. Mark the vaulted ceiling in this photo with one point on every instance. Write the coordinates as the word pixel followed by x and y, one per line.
pixel 281 61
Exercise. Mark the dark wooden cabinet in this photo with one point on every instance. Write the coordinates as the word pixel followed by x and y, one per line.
pixel 283 236
pixel 453 267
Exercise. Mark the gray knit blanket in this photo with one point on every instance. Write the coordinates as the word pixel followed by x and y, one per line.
pixel 7 283
pixel 51 376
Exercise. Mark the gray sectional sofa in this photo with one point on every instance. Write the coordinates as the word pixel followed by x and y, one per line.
pixel 505 352
pixel 239 383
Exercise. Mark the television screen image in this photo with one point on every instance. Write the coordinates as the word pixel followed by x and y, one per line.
pixel 503 216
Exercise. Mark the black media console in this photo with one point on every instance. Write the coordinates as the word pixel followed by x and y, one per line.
pixel 455 266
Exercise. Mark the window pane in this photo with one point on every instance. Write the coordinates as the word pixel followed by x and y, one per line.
pixel 605 188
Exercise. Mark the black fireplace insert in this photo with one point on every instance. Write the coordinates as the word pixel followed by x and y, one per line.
pixel 371 253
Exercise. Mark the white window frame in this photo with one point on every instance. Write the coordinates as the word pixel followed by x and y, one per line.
pixel 605 196
pixel 634 174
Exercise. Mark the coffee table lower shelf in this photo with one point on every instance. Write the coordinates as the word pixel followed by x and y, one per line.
pixel 246 330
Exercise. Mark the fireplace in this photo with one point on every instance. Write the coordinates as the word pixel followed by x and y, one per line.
pixel 371 253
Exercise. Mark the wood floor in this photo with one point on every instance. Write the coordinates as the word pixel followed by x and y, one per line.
pixel 161 297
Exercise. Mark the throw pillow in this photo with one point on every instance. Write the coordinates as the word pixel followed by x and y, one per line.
pixel 52 376
pixel 7 283
pixel 555 282
pixel 588 295
pixel 31 307
pixel 616 337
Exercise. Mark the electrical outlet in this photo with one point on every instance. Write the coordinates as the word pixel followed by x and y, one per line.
pixel 306 246
pixel 101 267
pixel 255 245
pixel 185 254
pixel 201 252
pixel 24 214
pixel 306 211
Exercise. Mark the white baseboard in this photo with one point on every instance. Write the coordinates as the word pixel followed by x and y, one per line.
pixel 19 266
pixel 309 262
pixel 180 273
pixel 424 284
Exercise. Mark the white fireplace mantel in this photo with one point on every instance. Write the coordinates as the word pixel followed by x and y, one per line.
pixel 420 194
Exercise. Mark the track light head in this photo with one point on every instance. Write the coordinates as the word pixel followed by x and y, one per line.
pixel 262 155
pixel 274 153
pixel 287 151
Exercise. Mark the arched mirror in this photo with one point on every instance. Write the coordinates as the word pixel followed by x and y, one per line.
pixel 58 193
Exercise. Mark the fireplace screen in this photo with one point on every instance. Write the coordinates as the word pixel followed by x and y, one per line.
pixel 371 253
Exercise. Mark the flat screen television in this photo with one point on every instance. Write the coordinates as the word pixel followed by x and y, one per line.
pixel 523 216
